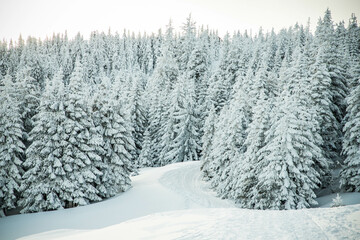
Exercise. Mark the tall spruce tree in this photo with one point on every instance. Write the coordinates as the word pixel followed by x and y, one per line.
pixel 117 143
pixel 325 37
pixel 11 146
pixel 185 146
pixel 29 99
pixel 350 178
pixel 46 184
pixel 80 156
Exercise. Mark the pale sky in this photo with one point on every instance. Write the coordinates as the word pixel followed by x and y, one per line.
pixel 41 18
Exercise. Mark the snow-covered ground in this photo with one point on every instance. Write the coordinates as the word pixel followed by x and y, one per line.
pixel 172 202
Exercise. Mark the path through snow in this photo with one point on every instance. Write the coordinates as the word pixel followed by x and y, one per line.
pixel 147 196
pixel 186 181
pixel 172 202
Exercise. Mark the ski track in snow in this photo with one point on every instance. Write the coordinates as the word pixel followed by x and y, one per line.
pixel 186 181
pixel 172 202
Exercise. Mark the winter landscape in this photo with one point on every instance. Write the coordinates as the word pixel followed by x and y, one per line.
pixel 182 134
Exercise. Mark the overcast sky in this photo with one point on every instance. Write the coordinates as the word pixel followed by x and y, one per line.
pixel 40 18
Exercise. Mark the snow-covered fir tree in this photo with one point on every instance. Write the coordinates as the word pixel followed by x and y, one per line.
pixel 159 87
pixel 46 184
pixel 11 145
pixel 183 145
pixel 350 178
pixel 144 158
pixel 255 141
pixel 29 99
pixel 81 150
pixel 325 37
pixel 137 112
pixel 207 143
pixel 287 175
pixel 117 143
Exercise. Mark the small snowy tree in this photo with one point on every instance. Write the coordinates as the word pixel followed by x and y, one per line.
pixel 337 201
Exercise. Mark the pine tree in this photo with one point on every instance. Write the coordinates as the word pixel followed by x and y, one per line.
pixel 46 185
pixel 321 97
pixel 197 70
pixel 117 143
pixel 231 142
pixel 207 140
pixel 137 112
pixel 187 43
pixel 11 146
pixel 144 158
pixel 168 127
pixel 28 94
pixel 353 36
pixel 185 146
pixel 325 36
pixel 254 143
pixel 287 176
pixel 80 156
pixel 349 176
pixel 217 91
pixel 159 87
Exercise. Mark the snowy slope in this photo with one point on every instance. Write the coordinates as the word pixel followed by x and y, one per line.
pixel 231 223
pixel 147 196
pixel 156 195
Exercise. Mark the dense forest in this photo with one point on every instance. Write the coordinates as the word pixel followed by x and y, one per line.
pixel 269 116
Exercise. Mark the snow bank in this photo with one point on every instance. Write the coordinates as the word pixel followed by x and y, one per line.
pixel 157 196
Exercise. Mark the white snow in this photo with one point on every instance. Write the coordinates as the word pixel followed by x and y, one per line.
pixel 150 210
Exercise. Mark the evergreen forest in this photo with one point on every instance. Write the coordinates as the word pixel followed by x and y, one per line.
pixel 271 116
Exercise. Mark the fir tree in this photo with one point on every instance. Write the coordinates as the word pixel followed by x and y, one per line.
pixel 80 156
pixel 254 143
pixel 231 143
pixel 325 37
pixel 207 140
pixel 288 176
pixel 11 146
pixel 350 178
pixel 117 143
pixel 137 113
pixel 29 99
pixel 144 158
pixel 46 185
pixel 185 146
